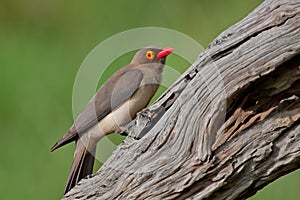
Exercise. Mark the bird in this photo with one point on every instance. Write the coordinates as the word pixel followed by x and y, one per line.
pixel 113 106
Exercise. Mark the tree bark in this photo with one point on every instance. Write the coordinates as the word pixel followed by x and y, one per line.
pixel 226 128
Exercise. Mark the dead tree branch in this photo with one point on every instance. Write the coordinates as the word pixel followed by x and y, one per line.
pixel 226 128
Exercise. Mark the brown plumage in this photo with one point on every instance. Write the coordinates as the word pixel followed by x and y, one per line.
pixel 114 105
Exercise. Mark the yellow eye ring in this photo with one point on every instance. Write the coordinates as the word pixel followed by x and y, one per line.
pixel 149 54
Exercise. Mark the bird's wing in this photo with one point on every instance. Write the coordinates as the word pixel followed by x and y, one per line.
pixel 115 91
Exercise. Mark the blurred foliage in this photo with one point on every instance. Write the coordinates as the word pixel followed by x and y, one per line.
pixel 42 44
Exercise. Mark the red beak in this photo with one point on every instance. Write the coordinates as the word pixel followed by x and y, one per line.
pixel 164 52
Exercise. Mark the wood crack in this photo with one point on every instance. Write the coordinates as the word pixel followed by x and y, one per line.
pixel 243 108
pixel 265 97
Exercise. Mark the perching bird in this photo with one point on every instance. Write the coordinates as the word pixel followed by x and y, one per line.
pixel 114 105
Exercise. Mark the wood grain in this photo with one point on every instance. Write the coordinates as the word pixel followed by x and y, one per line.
pixel 226 128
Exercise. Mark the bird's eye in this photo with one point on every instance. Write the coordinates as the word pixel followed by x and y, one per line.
pixel 149 54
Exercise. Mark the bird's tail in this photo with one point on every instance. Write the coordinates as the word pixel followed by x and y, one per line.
pixel 82 165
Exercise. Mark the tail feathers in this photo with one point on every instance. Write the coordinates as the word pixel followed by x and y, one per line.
pixel 81 167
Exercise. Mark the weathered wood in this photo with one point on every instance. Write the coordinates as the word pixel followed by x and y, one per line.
pixel 228 126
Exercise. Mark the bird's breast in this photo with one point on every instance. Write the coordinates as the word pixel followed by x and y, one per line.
pixel 126 112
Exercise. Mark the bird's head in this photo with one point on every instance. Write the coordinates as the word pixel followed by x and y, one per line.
pixel 151 55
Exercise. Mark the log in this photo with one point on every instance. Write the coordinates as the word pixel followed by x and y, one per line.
pixel 226 128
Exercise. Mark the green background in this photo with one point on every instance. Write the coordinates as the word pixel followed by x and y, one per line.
pixel 43 43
